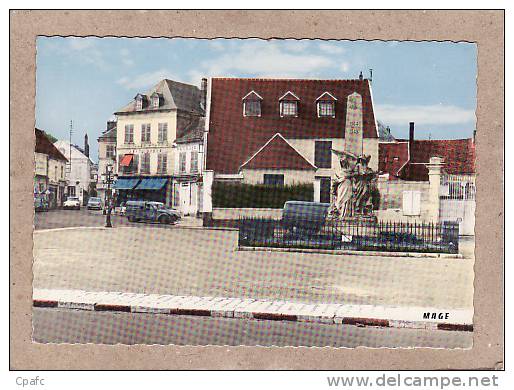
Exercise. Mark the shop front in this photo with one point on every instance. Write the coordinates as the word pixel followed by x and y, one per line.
pixel 152 189
pixel 124 187
pixel 187 194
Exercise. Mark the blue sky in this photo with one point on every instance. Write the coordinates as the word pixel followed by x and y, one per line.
pixel 87 79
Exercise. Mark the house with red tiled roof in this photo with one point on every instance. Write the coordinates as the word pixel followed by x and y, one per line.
pixel 49 175
pixel 408 159
pixel 281 131
pixel 431 180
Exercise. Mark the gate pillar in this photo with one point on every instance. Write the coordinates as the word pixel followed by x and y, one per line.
pixel 434 177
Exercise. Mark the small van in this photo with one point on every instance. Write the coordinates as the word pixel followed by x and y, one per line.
pixel 149 211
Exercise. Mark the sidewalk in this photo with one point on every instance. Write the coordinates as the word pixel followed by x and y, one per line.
pixel 198 262
pixel 359 315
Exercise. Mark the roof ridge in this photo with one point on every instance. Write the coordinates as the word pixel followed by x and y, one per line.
pixel 435 140
pixel 282 79
pixel 180 82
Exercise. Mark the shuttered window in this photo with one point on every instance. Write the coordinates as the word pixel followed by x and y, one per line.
pixel 163 132
pixel 162 163
pixel 145 132
pixel 411 203
pixel 145 163
pixel 129 134
pixel 182 162
pixel 194 161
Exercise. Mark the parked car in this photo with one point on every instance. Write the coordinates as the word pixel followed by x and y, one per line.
pixel 73 202
pixel 140 210
pixel 40 204
pixel 304 217
pixel 94 203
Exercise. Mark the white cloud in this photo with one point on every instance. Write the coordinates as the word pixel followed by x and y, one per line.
pixel 265 59
pixel 216 45
pixel 146 80
pixel 296 46
pixel 86 50
pixel 436 114
pixel 80 44
pixel 344 66
pixel 126 57
pixel 127 61
pixel 331 48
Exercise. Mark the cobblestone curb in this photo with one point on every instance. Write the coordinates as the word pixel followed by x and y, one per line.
pixel 352 252
pixel 358 315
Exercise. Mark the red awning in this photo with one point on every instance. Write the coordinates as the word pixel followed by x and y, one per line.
pixel 126 160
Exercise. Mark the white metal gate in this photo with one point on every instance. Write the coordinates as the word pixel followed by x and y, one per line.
pixel 457 201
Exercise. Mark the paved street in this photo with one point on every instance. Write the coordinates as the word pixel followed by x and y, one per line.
pixel 73 326
pixel 143 258
pixel 90 218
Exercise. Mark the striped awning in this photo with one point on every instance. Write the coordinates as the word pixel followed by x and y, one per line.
pixel 151 183
pixel 126 183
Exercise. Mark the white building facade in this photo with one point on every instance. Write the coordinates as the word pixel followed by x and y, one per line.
pixel 106 156
pixel 78 172
pixel 147 152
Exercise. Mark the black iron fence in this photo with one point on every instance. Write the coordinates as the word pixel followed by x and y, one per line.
pixel 350 235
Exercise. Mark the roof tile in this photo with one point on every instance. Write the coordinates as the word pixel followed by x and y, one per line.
pixel 234 138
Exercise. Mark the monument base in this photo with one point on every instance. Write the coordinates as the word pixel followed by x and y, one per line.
pixel 370 219
pixel 360 219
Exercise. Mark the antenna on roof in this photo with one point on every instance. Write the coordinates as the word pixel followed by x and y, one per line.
pixel 68 166
pixel 370 75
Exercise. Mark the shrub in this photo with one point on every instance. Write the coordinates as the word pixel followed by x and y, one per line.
pixel 240 195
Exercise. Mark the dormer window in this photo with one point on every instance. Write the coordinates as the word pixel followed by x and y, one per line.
pixel 139 102
pixel 252 104
pixel 326 105
pixel 289 105
pixel 156 100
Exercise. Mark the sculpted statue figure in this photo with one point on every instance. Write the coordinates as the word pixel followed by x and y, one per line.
pixel 352 187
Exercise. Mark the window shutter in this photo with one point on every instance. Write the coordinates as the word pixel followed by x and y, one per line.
pixel 411 203
pixel 136 163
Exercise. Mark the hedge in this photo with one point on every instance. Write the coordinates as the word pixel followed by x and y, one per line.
pixel 239 195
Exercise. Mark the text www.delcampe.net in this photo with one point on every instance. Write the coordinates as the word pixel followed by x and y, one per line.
pixel 398 380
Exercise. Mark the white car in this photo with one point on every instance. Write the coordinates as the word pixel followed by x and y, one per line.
pixel 72 202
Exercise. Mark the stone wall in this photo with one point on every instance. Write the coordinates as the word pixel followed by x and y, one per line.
pixel 391 199
pixel 234 214
pixel 291 176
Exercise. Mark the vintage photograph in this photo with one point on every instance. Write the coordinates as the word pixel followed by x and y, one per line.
pixel 254 192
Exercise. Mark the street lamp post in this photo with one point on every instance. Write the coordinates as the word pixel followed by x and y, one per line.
pixel 109 178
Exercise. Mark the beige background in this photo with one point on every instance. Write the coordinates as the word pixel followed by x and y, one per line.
pixel 486 28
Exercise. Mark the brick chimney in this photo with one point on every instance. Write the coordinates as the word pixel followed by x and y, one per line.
pixel 203 88
pixel 411 134
pixel 111 125
pixel 86 146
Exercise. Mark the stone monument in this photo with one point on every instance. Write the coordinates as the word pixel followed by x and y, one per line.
pixel 353 129
pixel 354 188
pixel 355 183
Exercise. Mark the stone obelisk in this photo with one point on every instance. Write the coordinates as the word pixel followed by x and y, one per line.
pixel 353 128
